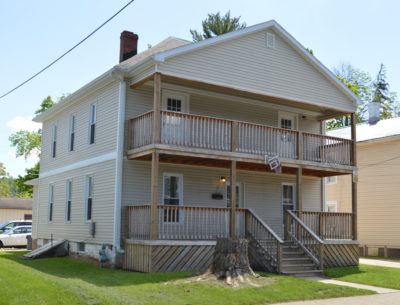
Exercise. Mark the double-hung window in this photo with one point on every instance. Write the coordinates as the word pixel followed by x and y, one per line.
pixel 54 141
pixel 89 198
pixel 51 202
pixel 92 124
pixel 68 201
pixel 71 141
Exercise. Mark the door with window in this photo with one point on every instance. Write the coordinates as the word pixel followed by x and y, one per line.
pixel 175 127
pixel 173 197
pixel 287 140
pixel 239 204
pixel 288 199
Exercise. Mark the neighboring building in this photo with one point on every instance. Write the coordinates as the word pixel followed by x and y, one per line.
pixel 143 157
pixel 378 155
pixel 15 209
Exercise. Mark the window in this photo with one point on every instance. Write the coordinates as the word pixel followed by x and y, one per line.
pixel 331 180
pixel 174 104
pixel 288 199
pixel 89 198
pixel 172 196
pixel 92 126
pixel 228 195
pixel 27 216
pixel 54 141
pixel 72 133
pixel 331 206
pixel 68 200
pixel 51 201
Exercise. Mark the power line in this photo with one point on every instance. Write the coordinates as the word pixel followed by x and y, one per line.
pixel 70 50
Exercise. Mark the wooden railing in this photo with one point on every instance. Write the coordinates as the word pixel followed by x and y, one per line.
pixel 183 222
pixel 266 238
pixel 326 149
pixel 188 130
pixel 299 233
pixel 329 225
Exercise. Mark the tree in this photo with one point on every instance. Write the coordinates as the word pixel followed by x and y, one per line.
pixel 382 95
pixel 24 190
pixel 7 183
pixel 215 25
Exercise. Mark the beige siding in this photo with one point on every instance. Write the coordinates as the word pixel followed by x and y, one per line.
pixel 247 63
pixel 378 193
pixel 260 191
pixel 140 101
pixel 106 100
pixel 103 205
pixel 12 214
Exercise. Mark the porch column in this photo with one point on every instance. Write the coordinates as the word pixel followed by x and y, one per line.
pixel 299 189
pixel 232 228
pixel 154 195
pixel 157 109
pixel 353 180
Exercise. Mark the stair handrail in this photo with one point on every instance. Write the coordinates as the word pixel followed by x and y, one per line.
pixel 275 254
pixel 316 255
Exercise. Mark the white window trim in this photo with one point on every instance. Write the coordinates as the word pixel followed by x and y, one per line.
pixel 294 198
pixel 87 197
pixel 68 195
pixel 330 203
pixel 54 139
pixel 184 97
pixel 241 199
pixel 72 117
pixel 50 202
pixel 335 181
pixel 90 123
pixel 288 115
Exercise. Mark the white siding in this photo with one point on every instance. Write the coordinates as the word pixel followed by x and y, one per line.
pixel 247 63
pixel 103 205
pixel 13 214
pixel 261 191
pixel 106 100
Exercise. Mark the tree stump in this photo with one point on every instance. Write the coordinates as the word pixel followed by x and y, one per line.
pixel 231 260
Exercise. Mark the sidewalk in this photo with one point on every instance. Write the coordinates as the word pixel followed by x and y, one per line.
pixel 376 299
pixel 380 263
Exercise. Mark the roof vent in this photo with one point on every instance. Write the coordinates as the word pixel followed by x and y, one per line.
pixel 270 40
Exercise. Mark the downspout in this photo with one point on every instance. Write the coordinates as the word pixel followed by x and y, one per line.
pixel 119 161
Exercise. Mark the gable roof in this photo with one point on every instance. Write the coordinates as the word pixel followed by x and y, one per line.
pixel 367 132
pixel 162 56
pixel 16 203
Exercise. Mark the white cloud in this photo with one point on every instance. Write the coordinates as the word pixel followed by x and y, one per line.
pixel 23 123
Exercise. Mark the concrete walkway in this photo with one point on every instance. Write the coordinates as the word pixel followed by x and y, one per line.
pixel 377 299
pixel 380 263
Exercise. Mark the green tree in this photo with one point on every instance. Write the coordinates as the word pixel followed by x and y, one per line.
pixel 7 183
pixel 24 190
pixel 215 25
pixel 382 95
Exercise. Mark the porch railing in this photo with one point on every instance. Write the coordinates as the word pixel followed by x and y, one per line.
pixel 329 225
pixel 188 130
pixel 183 222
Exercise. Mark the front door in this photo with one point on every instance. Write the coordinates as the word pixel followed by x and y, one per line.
pixel 239 204
pixel 287 140
pixel 172 196
pixel 288 199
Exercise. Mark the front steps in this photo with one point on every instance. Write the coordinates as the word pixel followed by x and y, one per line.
pixel 296 262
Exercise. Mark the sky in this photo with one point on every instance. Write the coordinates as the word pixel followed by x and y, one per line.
pixel 33 33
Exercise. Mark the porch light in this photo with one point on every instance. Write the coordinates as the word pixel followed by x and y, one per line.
pixel 222 179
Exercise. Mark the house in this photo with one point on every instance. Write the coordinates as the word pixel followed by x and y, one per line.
pixel 15 209
pixel 378 148
pixel 170 149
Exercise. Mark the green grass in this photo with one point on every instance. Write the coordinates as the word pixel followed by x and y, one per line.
pixel 369 275
pixel 70 281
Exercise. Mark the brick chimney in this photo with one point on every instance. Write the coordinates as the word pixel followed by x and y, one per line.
pixel 128 46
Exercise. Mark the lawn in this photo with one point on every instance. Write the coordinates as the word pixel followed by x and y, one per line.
pixel 70 281
pixel 369 275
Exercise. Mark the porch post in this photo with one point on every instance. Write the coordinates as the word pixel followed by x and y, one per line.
pixel 299 189
pixel 233 201
pixel 353 180
pixel 154 195
pixel 157 109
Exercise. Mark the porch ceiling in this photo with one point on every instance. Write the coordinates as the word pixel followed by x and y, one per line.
pixel 248 166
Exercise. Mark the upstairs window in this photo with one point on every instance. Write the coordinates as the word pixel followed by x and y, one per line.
pixel 68 201
pixel 89 198
pixel 51 201
pixel 174 104
pixel 54 141
pixel 92 124
pixel 72 133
